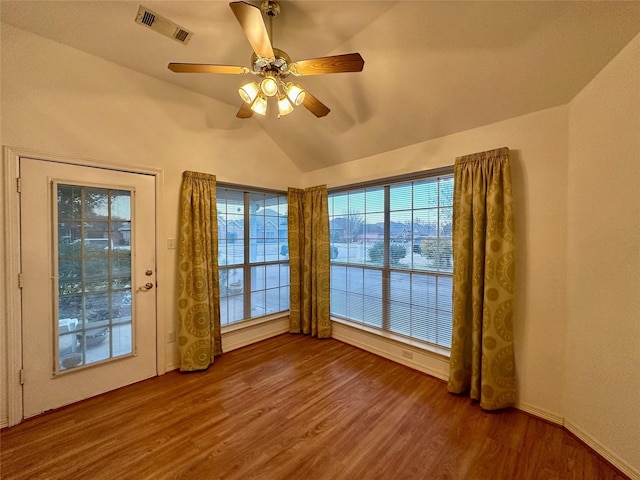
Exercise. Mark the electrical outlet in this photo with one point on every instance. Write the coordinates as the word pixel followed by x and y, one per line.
pixel 171 337
pixel 407 354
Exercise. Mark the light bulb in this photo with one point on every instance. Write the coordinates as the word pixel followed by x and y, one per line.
pixel 259 105
pixel 249 92
pixel 295 93
pixel 269 86
pixel 284 106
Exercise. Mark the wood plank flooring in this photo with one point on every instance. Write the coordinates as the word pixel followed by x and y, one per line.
pixel 292 407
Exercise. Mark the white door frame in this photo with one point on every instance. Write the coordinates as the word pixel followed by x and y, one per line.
pixel 10 302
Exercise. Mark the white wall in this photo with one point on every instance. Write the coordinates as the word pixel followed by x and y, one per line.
pixel 538 145
pixel 65 102
pixel 603 327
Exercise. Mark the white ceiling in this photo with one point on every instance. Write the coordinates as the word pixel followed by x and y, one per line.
pixel 431 68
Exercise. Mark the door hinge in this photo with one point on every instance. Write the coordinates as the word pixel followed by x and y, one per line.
pixel 22 376
pixel 20 280
pixel 19 185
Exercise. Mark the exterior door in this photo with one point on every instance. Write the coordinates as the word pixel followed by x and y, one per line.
pixel 88 281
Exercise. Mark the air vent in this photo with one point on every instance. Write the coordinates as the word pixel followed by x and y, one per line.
pixel 162 25
pixel 148 18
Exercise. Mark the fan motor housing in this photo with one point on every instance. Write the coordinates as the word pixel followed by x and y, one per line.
pixel 279 65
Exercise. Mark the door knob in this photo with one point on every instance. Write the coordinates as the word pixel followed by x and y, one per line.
pixel 147 286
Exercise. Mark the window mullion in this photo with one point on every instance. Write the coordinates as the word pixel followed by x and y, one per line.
pixel 386 272
pixel 246 295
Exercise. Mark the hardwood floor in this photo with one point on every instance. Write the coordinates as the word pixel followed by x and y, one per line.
pixel 292 407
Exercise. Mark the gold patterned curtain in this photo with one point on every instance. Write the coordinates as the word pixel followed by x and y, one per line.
pixel 198 288
pixel 482 357
pixel 309 263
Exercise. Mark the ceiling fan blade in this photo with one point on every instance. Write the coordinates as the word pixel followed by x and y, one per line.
pixel 314 105
pixel 245 111
pixel 348 62
pixel 250 19
pixel 207 68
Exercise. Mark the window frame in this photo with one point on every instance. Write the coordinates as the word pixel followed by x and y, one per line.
pixel 387 270
pixel 247 265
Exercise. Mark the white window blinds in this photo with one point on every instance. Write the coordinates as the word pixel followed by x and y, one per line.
pixel 392 256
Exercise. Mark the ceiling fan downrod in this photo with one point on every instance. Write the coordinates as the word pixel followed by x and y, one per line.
pixel 270 8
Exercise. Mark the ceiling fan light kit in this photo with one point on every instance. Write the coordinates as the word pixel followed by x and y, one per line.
pixel 249 92
pixel 259 105
pixel 295 93
pixel 269 85
pixel 273 65
pixel 284 106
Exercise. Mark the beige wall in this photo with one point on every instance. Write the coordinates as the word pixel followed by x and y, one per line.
pixel 602 387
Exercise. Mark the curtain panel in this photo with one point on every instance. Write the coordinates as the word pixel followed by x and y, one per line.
pixel 199 338
pixel 309 262
pixel 482 354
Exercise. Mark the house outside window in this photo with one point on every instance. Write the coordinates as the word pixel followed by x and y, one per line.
pixel 253 266
pixel 394 263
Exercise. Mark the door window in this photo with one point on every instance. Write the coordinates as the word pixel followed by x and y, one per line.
pixel 93 280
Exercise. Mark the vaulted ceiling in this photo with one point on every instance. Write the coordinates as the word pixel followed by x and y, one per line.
pixel 431 68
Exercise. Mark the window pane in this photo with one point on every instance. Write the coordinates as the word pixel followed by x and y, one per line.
pixel 258 304
pixel 272 276
pixel 338 277
pixel 356 202
pixel 399 318
pixel 401 196
pixel 372 282
pixel 373 311
pixel 94 321
pixel 258 279
pixel 355 307
pixel 355 280
pixel 425 194
pixel 257 220
pixel 339 302
pixel 284 298
pixel 446 192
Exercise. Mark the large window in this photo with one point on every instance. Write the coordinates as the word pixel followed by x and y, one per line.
pixel 252 253
pixel 393 268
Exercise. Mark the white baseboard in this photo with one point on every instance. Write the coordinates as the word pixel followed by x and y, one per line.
pixel 235 338
pixel 603 451
pixel 171 367
pixel 540 413
pixel 422 360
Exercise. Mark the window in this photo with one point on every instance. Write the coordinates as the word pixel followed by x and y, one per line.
pixel 94 275
pixel 393 269
pixel 252 253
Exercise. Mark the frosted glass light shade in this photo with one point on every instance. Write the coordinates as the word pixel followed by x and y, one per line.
pixel 259 105
pixel 295 93
pixel 249 92
pixel 284 106
pixel 269 86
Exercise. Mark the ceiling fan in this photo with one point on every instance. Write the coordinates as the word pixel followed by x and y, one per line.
pixel 273 66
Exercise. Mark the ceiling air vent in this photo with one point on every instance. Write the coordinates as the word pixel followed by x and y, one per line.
pixel 162 25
